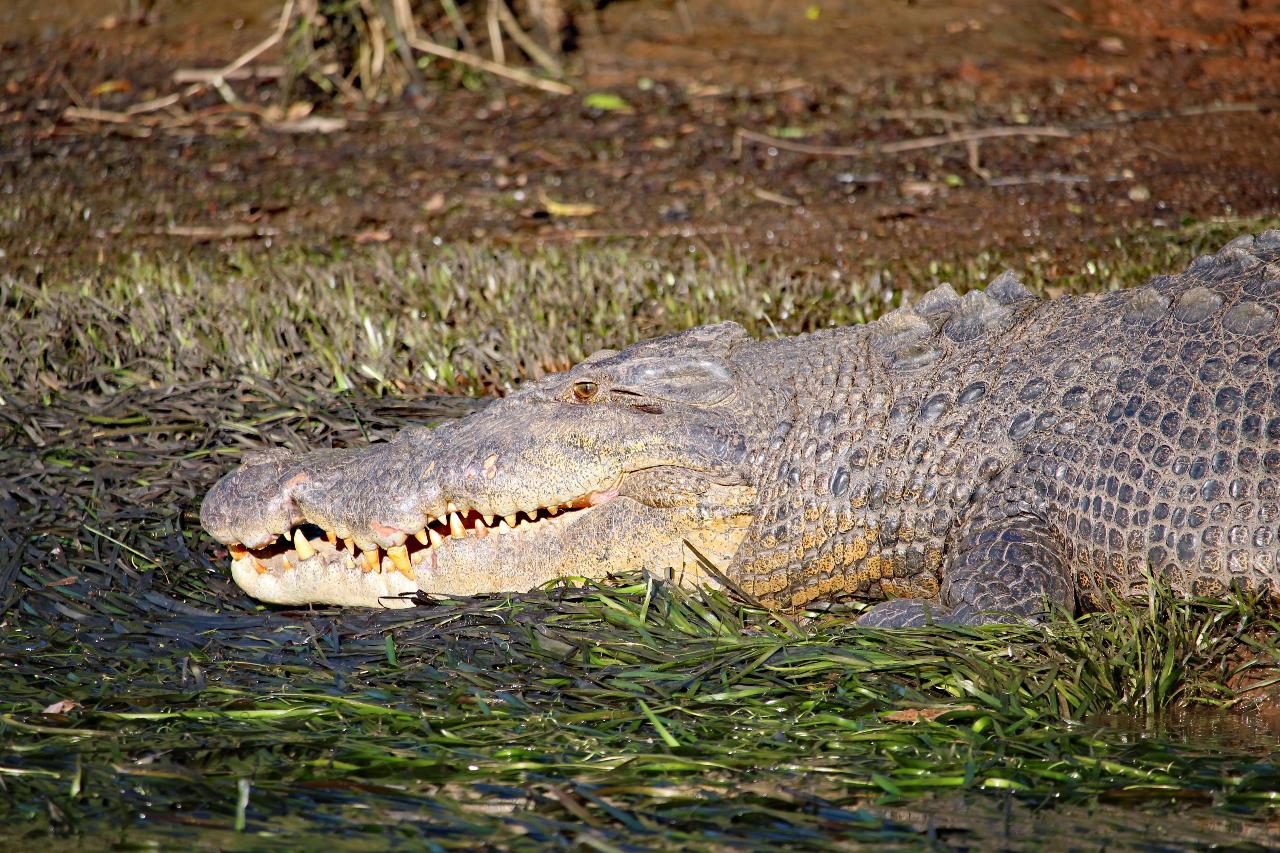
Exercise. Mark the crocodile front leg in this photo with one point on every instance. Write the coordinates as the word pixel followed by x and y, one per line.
pixel 1009 570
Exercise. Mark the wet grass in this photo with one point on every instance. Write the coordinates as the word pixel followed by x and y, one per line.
pixel 144 700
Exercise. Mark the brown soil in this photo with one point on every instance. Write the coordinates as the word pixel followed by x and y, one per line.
pixel 1129 80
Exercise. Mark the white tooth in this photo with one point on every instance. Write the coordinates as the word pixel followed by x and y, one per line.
pixel 450 507
pixel 302 546
pixel 503 527
pixel 455 525
pixel 512 519
pixel 436 538
pixel 421 536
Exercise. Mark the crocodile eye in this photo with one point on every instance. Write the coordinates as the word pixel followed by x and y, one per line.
pixel 584 390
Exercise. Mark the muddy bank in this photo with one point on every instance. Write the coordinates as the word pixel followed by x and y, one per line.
pixel 1152 116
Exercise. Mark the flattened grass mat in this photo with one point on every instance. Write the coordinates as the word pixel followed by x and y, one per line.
pixel 145 702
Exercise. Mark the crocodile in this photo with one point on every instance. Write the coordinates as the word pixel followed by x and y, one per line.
pixel 986 457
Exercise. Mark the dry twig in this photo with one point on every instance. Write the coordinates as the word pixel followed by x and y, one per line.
pixel 953 138
pixel 531 48
pixel 404 19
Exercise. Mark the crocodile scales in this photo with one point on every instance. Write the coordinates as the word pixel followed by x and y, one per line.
pixel 969 459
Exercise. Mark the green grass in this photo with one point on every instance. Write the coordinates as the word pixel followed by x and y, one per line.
pixel 470 319
pixel 614 717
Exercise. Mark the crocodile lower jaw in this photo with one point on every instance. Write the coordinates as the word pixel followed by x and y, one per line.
pixel 334 573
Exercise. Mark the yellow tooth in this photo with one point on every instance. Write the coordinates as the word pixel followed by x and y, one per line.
pixel 503 527
pixel 302 546
pixel 284 561
pixel 259 567
pixel 450 507
pixel 511 519
pixel 421 536
pixel 237 551
pixel 436 538
pixel 487 519
pixel 351 545
pixel 455 525
pixel 372 560
pixel 400 557
pixel 332 537
pixel 552 510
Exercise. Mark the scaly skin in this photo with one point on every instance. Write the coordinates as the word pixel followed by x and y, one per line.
pixel 971 459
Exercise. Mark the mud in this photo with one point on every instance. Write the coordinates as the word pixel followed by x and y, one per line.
pixel 1168 109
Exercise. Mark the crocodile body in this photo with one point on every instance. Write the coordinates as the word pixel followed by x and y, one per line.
pixel 968 458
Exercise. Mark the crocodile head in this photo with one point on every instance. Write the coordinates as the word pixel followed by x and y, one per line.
pixel 612 465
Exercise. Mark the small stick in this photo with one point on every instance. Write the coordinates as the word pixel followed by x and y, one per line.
pixel 953 138
pixel 969 137
pixel 410 28
pixel 526 43
pixel 459 25
pixel 106 116
pixel 495 33
pixel 219 75
pixel 153 104
pixel 201 75
pixel 71 91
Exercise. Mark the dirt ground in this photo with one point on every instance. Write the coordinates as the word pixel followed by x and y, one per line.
pixel 1156 113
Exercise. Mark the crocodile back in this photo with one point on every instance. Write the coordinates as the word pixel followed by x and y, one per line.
pixel 1143 424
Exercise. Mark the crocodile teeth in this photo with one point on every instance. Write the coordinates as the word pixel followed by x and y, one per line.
pixel 302 546
pixel 421 536
pixel 259 567
pixel 350 543
pixel 450 507
pixel 511 519
pixel 436 538
pixel 552 510
pixel 455 525
pixel 487 519
pixel 503 527
pixel 372 559
pixel 286 563
pixel 400 559
pixel 237 551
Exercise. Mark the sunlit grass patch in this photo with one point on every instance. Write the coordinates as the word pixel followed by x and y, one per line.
pixel 470 319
